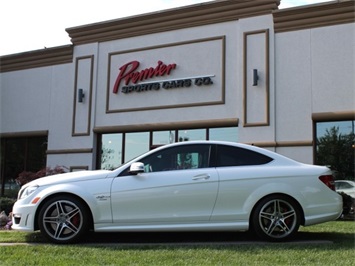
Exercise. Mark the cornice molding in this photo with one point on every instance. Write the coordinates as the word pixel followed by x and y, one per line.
pixel 228 122
pixel 320 15
pixel 331 13
pixel 171 19
pixel 333 116
pixel 40 133
pixel 70 151
pixel 38 58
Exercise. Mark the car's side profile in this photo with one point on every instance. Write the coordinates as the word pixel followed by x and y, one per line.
pixel 188 186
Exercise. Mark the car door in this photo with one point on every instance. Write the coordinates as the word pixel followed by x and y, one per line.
pixel 178 186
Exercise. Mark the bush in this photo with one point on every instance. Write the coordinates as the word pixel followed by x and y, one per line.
pixel 6 204
pixel 5 221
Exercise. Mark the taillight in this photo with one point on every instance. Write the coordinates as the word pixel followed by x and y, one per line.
pixel 328 180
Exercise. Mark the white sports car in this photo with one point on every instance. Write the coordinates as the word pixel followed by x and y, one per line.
pixel 186 186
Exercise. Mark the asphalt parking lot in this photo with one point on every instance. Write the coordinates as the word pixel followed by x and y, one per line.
pixel 184 239
pixel 190 238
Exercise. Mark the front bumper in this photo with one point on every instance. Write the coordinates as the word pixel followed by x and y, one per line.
pixel 23 217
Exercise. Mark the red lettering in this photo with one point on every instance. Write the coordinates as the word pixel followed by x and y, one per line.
pixel 123 75
pixel 169 68
pixel 162 70
pixel 128 74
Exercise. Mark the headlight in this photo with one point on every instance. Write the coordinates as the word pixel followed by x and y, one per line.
pixel 27 191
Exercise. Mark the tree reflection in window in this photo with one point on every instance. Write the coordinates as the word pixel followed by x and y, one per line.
pixel 335 147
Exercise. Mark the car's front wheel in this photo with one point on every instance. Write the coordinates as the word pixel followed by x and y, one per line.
pixel 63 219
pixel 276 218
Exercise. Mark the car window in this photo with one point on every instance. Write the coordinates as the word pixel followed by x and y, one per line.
pixel 235 156
pixel 347 185
pixel 342 185
pixel 178 158
pixel 338 185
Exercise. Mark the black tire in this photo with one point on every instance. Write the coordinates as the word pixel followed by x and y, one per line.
pixel 276 218
pixel 63 219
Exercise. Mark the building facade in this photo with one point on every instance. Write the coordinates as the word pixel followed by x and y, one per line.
pixel 233 70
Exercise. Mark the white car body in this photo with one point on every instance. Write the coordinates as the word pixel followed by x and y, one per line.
pixel 201 199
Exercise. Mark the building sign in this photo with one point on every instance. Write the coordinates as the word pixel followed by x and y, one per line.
pixel 129 74
pixel 183 74
pixel 135 81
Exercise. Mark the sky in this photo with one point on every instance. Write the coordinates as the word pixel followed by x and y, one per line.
pixel 27 25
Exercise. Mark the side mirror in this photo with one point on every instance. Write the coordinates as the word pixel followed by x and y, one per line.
pixel 136 168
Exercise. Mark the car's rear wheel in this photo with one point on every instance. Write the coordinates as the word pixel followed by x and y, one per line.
pixel 276 218
pixel 63 219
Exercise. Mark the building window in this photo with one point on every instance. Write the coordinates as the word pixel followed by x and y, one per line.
pixel 191 134
pixel 223 133
pixel 18 155
pixel 136 144
pixel 163 137
pixel 111 151
pixel 335 147
pixel 118 148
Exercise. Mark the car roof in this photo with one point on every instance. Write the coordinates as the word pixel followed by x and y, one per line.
pixel 282 160
pixel 220 142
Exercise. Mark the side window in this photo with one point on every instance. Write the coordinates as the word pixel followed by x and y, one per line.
pixel 178 158
pixel 344 185
pixel 347 185
pixel 234 156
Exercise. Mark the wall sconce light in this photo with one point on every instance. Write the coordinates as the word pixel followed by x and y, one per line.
pixel 255 77
pixel 81 95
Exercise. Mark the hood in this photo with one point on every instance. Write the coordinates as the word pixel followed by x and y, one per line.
pixel 69 177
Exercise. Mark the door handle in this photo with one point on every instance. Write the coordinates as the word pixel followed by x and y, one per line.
pixel 201 176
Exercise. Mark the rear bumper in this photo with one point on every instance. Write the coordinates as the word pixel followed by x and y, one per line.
pixel 324 213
